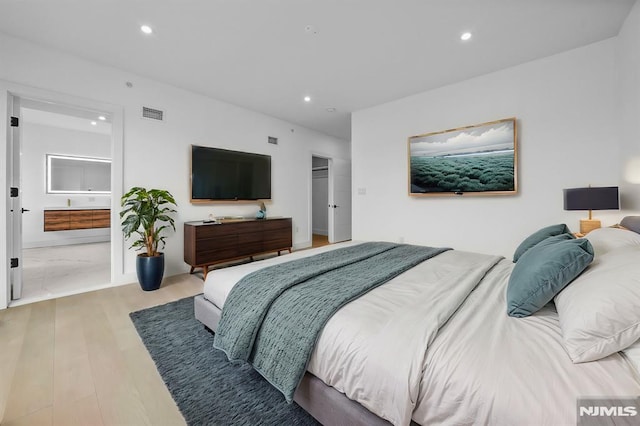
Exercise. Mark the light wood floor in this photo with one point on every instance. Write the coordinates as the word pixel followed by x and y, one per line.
pixel 78 360
pixel 319 240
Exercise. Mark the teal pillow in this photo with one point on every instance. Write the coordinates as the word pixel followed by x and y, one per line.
pixel 541 235
pixel 543 271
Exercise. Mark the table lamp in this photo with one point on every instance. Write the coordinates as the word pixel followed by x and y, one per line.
pixel 591 198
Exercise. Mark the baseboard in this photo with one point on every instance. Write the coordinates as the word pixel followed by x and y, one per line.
pixel 303 245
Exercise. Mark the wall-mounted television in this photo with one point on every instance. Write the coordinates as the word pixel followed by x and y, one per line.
pixel 225 175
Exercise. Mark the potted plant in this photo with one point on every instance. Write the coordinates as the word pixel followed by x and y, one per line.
pixel 147 214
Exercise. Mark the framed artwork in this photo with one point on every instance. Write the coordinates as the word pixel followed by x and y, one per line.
pixel 473 160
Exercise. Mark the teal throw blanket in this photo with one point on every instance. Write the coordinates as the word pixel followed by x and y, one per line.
pixel 272 317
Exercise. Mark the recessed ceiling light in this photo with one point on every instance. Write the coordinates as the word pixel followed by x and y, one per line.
pixel 146 29
pixel 331 110
pixel 102 118
pixel 94 123
pixel 465 36
pixel 307 98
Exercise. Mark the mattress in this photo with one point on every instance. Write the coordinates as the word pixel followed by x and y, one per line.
pixel 219 282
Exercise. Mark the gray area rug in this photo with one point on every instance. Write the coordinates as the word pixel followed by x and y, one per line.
pixel 207 388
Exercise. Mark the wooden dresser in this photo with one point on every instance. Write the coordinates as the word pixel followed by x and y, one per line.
pixel 69 219
pixel 206 244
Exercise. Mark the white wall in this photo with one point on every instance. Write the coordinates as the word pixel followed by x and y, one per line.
pixel 567 138
pixel 157 154
pixel 38 141
pixel 628 85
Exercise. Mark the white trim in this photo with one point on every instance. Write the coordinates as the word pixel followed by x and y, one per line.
pixel 302 246
pixel 5 249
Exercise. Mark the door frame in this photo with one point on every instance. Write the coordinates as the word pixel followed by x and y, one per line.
pixel 331 183
pixel 14 235
pixel 9 90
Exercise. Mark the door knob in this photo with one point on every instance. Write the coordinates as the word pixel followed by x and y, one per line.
pixel 25 210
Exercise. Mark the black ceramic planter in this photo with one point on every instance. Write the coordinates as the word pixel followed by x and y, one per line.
pixel 150 271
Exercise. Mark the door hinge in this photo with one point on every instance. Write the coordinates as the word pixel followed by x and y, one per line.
pixel 14 192
pixel 14 262
pixel 15 121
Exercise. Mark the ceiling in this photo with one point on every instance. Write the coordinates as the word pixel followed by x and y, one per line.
pixel 266 55
pixel 52 119
pixel 63 116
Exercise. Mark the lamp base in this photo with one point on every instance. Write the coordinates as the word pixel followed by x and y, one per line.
pixel 588 225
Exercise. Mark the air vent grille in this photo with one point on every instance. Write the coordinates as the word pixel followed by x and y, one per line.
pixel 152 113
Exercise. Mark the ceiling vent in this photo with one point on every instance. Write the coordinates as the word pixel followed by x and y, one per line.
pixel 152 113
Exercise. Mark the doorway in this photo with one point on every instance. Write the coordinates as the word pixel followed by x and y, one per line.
pixel 319 201
pixel 62 169
pixel 330 200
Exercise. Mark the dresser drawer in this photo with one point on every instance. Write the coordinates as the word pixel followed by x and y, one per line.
pixel 80 219
pixel 101 219
pixel 56 220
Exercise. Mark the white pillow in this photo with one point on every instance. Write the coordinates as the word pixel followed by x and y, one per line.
pixel 599 311
pixel 605 240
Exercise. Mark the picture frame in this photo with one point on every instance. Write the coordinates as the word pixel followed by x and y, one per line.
pixel 480 159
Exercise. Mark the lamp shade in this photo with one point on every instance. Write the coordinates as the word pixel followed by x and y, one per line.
pixel 592 198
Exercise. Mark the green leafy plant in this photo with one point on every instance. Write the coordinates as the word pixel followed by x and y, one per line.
pixel 147 214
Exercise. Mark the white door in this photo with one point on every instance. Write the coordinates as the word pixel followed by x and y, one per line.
pixel 339 200
pixel 15 252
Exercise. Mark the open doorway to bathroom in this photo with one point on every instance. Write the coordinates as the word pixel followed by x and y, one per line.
pixel 65 178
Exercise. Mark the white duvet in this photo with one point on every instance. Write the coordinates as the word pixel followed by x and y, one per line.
pixel 435 346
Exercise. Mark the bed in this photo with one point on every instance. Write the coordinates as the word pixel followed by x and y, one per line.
pixel 436 345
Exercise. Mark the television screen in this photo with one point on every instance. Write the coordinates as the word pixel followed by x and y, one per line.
pixel 221 174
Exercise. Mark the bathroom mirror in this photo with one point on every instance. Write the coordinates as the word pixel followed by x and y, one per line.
pixel 78 175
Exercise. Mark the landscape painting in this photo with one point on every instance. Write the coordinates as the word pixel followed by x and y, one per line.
pixel 479 159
